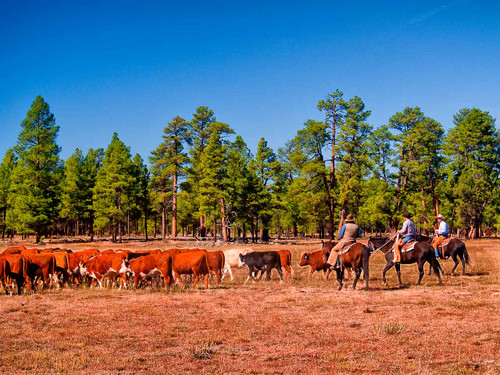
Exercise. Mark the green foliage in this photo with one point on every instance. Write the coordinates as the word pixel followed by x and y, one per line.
pixel 34 189
pixel 113 186
pixel 473 148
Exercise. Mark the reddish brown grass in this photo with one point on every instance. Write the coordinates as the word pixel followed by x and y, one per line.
pixel 305 327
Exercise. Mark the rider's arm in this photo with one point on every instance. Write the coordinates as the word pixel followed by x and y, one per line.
pixel 342 231
pixel 404 230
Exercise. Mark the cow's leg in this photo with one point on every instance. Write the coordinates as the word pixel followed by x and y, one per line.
pixel 178 278
pixel 197 278
pixel 261 274
pixel 387 267
pixel 206 281
pixel 280 272
pixel 311 271
pixel 268 272
pixel 455 259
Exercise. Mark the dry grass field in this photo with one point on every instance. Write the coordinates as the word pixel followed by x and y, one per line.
pixel 305 327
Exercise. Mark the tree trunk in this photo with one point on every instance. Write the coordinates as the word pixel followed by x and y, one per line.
pixel 215 231
pixel 223 211
pixel 146 223
pixel 163 224
pixel 203 230
pixel 174 206
pixel 120 220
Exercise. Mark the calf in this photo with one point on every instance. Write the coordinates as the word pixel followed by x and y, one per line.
pixel 109 266
pixel 316 262
pixel 232 259
pixel 215 261
pixel 259 260
pixel 190 263
pixel 152 265
pixel 77 259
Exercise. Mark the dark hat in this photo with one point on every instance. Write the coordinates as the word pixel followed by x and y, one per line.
pixel 349 219
pixel 407 215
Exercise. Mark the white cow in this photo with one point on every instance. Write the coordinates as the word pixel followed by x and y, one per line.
pixel 232 259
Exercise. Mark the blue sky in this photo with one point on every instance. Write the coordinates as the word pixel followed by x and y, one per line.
pixel 262 66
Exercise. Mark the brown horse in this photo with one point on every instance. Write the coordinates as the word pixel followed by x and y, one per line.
pixel 355 257
pixel 455 249
pixel 421 253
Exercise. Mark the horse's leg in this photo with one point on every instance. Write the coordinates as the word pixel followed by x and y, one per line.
pixel 357 274
pixel 437 267
pixel 387 267
pixel 340 277
pixel 366 268
pixel 421 263
pixel 398 271
pixel 454 257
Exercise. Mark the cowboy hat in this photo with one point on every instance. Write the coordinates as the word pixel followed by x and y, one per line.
pixel 349 219
pixel 440 216
pixel 407 215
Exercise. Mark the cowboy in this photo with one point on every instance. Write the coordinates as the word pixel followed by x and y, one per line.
pixel 440 234
pixel 347 235
pixel 407 233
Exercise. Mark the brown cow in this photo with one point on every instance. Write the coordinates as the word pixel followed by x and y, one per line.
pixel 109 266
pixel 4 274
pixel 62 265
pixel 42 265
pixel 77 259
pixel 14 250
pixel 215 261
pixel 286 262
pixel 16 270
pixel 316 262
pixel 27 252
pixel 191 263
pixel 152 265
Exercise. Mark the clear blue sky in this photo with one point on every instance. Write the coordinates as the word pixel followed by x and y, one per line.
pixel 262 66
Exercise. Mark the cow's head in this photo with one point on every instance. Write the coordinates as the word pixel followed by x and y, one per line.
pixel 125 268
pixel 242 260
pixel 305 260
pixel 82 269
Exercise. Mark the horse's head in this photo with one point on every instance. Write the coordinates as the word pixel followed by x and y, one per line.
pixel 327 246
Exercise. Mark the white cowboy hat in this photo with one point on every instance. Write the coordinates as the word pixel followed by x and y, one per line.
pixel 440 216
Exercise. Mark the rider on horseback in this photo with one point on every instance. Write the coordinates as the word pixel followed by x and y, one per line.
pixel 347 235
pixel 440 234
pixel 407 233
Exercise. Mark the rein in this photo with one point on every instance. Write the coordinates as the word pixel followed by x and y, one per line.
pixel 380 247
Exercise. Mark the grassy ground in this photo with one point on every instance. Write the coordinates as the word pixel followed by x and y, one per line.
pixel 305 327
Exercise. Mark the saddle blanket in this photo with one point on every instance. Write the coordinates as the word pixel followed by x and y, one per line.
pixel 346 248
pixel 446 242
pixel 406 248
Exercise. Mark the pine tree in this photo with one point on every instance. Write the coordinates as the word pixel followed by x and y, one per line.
pixel 335 108
pixel 35 193
pixel 72 202
pixel 141 190
pixel 473 147
pixel 168 165
pixel 91 165
pixel 114 180
pixel 6 168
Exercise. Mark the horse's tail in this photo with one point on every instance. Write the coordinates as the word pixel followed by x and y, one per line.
pixel 466 255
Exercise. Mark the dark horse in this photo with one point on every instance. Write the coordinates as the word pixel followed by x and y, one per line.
pixel 357 258
pixel 455 249
pixel 421 253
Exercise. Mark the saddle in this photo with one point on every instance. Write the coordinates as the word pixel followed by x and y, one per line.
pixel 445 242
pixel 346 247
pixel 407 247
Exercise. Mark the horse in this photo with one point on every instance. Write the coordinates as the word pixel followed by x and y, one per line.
pixel 455 249
pixel 355 256
pixel 421 253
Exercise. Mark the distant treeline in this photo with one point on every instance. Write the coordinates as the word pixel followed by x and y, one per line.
pixel 202 180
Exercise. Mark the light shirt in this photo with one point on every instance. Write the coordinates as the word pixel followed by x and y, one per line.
pixel 443 228
pixel 408 228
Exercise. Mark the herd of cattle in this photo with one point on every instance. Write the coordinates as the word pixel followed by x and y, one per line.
pixel 21 267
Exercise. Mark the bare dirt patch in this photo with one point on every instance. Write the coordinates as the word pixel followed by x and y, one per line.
pixel 305 327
